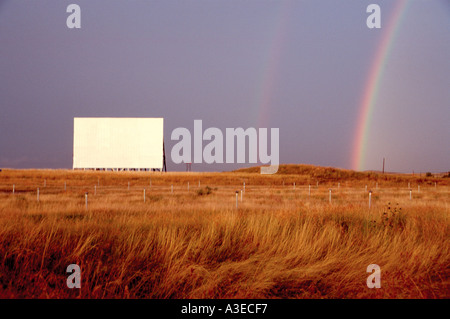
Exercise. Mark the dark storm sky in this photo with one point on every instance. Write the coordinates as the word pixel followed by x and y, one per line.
pixel 297 65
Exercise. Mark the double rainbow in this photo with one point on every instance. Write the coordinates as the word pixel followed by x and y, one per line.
pixel 371 89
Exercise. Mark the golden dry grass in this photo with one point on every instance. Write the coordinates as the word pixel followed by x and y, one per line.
pixel 279 243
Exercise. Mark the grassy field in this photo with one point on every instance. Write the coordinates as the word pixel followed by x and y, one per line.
pixel 281 241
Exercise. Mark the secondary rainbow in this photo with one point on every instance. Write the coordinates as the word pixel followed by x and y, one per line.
pixel 372 86
pixel 272 62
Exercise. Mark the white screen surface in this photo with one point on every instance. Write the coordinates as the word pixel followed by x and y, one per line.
pixel 118 143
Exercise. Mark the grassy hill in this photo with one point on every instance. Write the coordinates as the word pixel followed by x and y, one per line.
pixel 311 173
pixel 185 237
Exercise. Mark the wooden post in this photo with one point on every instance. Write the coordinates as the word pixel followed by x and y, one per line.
pixel 14 188
pixel 237 199
pixel 294 186
pixel 370 198
pixel 410 194
pixel 86 199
